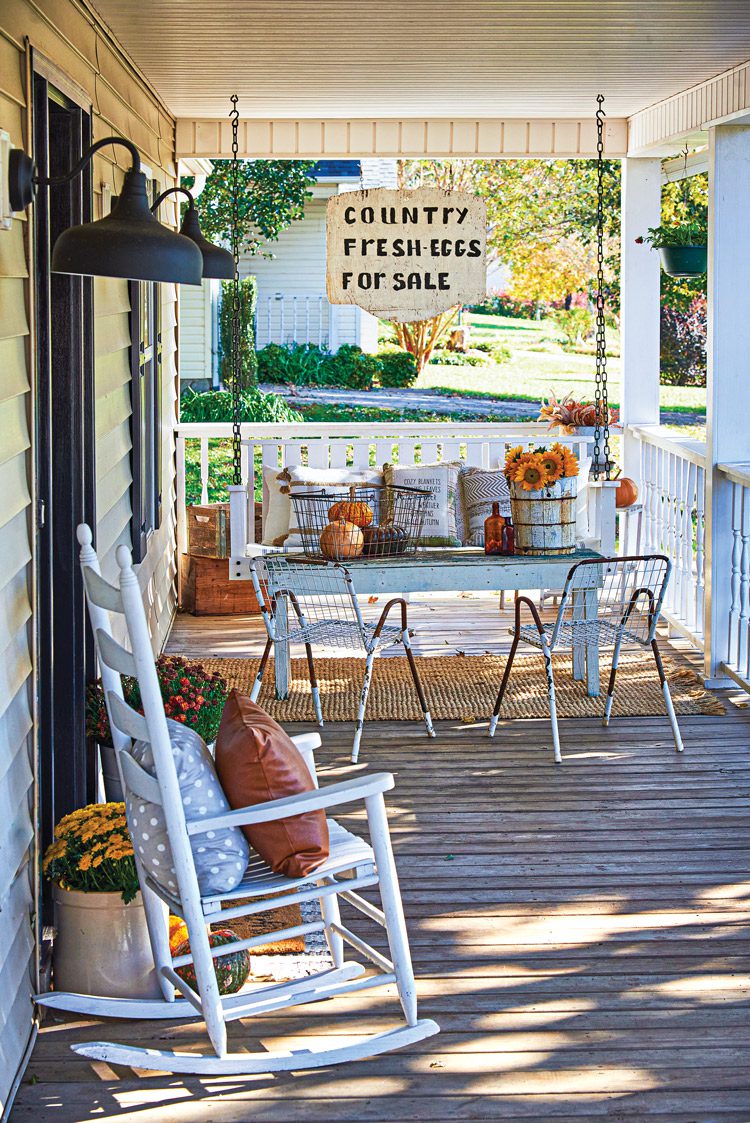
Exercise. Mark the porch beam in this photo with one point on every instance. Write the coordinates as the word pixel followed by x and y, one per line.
pixel 639 305
pixel 728 390
pixel 429 137
pixel 665 127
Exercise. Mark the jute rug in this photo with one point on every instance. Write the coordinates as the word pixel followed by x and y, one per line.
pixel 463 688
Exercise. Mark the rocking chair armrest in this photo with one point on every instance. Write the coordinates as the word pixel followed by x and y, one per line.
pixel 347 791
pixel 307 742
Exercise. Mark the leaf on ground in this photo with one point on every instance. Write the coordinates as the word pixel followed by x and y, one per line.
pixel 372 600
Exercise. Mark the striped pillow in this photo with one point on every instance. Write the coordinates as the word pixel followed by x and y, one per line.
pixel 480 488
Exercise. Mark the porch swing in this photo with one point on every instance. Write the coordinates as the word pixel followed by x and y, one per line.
pixel 154 789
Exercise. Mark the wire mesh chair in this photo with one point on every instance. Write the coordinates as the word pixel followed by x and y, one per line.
pixel 326 613
pixel 606 603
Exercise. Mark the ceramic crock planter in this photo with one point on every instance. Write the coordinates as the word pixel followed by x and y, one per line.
pixel 102 946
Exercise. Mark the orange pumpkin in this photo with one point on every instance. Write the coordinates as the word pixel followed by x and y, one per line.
pixel 354 511
pixel 178 932
pixel 341 539
pixel 626 493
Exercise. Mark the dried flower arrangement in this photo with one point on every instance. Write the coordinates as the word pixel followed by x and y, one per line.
pixel 568 415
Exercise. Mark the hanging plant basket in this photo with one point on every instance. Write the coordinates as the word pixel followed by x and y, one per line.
pixel 684 261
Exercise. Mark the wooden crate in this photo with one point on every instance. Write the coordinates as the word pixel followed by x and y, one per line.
pixel 208 530
pixel 207 590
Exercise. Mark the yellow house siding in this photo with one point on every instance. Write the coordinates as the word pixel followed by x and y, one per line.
pixel 68 34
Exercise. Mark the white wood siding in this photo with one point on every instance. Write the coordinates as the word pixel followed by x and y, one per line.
pixel 196 331
pixel 71 37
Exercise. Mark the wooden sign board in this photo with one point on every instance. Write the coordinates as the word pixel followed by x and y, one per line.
pixel 406 255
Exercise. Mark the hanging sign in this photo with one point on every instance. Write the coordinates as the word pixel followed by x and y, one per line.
pixel 406 255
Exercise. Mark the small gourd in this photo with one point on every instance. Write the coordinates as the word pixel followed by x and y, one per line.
pixel 352 509
pixel 341 539
pixel 178 933
pixel 626 493
pixel 231 970
pixel 384 541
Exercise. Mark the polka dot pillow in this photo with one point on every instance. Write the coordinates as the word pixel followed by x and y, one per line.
pixel 221 856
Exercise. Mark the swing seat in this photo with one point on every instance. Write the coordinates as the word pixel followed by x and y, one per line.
pixel 353 864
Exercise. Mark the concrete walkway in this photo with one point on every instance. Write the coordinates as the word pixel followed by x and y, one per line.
pixel 431 402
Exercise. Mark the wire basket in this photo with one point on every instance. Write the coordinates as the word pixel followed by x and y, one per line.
pixel 370 521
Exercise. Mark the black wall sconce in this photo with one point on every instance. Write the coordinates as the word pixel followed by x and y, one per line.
pixel 217 262
pixel 129 242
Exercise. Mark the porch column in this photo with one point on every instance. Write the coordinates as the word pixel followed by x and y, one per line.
pixel 639 304
pixel 728 391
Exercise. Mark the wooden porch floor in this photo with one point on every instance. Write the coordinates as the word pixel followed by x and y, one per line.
pixel 579 932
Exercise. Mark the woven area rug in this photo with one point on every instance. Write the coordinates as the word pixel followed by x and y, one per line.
pixel 463 688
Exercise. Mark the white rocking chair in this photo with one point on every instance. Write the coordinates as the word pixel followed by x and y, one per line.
pixel 327 614
pixel 351 866
pixel 606 603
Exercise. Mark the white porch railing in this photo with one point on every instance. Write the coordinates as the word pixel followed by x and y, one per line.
pixel 673 489
pixel 737 663
pixel 361 444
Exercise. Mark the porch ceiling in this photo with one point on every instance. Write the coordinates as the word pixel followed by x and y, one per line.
pixel 426 58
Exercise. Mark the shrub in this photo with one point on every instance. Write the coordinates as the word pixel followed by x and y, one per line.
pixel 683 344
pixel 575 324
pixel 216 405
pixel 397 369
pixel 299 363
pixel 498 352
pixel 460 359
pixel 501 304
pixel 248 295
pixel 351 367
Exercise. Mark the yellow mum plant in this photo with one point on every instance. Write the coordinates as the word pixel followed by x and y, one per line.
pixel 92 852
pixel 536 468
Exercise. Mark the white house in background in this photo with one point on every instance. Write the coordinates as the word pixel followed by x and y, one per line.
pixel 292 305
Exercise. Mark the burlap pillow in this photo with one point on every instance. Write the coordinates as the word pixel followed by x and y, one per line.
pixel 256 761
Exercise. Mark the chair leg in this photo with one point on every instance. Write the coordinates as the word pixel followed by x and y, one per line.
pixel 667 698
pixel 390 895
pixel 314 685
pixel 362 705
pixel 329 907
pixel 208 986
pixel 417 683
pixel 157 922
pixel 503 685
pixel 261 669
pixel 611 687
pixel 552 703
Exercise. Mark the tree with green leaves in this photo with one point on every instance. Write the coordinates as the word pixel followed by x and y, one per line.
pixel 541 214
pixel 272 196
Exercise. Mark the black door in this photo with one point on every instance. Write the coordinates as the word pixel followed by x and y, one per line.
pixel 64 461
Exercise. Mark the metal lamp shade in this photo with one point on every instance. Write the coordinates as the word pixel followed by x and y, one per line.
pixel 130 243
pixel 217 262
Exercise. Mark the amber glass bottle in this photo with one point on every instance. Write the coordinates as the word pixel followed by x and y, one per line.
pixel 493 531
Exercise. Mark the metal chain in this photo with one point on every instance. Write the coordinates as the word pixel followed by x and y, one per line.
pixel 236 324
pixel 601 423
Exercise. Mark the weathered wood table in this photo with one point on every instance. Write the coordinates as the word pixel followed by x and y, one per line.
pixel 467 569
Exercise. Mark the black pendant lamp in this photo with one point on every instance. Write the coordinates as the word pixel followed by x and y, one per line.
pixel 129 242
pixel 218 263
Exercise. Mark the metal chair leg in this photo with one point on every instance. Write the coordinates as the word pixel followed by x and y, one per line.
pixel 261 669
pixel 503 685
pixel 667 698
pixel 611 686
pixel 362 705
pixel 314 685
pixel 418 684
pixel 552 703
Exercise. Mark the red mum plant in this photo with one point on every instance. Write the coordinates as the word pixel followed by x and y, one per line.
pixel 191 695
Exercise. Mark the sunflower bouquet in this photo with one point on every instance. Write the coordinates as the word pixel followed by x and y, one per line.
pixel 92 852
pixel 536 468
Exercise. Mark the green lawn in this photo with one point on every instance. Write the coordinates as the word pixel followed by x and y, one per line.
pixel 539 364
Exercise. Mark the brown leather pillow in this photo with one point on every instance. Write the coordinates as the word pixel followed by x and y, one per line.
pixel 256 761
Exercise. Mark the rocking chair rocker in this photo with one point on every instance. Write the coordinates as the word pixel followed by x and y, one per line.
pixel 351 866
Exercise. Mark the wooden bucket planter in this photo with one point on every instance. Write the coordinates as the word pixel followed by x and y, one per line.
pixel 545 520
